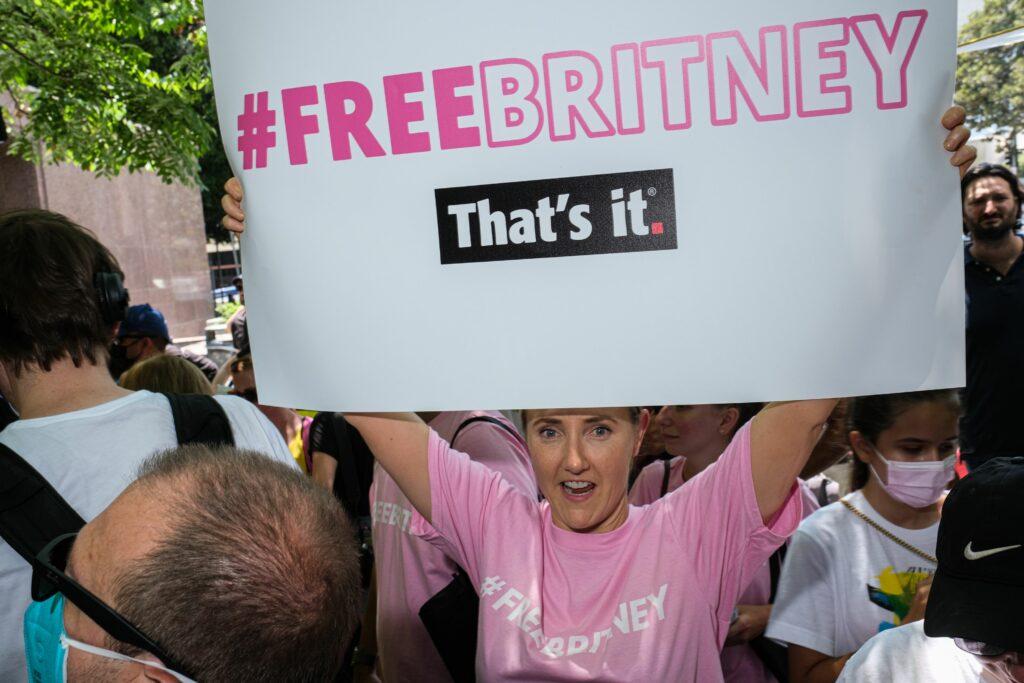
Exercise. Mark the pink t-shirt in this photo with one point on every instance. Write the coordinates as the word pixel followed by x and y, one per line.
pixel 647 486
pixel 740 664
pixel 410 570
pixel 650 600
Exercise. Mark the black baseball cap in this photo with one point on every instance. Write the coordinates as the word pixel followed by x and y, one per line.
pixel 981 558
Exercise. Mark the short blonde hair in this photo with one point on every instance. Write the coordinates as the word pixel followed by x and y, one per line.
pixel 167 374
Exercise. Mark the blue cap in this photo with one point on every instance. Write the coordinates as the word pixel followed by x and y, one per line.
pixel 144 321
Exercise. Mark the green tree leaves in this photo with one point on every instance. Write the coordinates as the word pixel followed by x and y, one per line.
pixel 990 83
pixel 108 84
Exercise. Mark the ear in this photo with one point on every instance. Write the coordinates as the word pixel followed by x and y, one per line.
pixel 727 422
pixel 860 448
pixel 151 674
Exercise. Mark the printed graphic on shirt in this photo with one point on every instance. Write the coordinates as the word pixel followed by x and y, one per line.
pixel 895 592
pixel 631 616
pixel 391 514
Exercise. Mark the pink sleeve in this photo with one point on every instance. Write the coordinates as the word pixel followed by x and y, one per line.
pixel 466 498
pixel 717 520
pixel 810 501
pixel 490 445
pixel 647 486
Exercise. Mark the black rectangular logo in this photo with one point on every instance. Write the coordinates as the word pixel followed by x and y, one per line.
pixel 595 214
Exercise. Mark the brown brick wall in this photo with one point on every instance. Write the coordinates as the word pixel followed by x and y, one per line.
pixel 155 230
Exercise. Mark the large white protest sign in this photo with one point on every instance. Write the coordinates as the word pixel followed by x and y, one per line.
pixel 463 204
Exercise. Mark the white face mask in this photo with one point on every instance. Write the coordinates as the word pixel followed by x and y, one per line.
pixel 917 484
pixel 67 642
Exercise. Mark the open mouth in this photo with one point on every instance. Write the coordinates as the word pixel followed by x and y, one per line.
pixel 578 489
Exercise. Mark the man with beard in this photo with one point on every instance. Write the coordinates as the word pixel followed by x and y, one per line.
pixel 994 399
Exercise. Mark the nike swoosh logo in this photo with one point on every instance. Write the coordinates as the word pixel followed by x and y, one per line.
pixel 972 555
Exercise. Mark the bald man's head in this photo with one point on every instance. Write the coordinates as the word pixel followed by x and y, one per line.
pixel 239 566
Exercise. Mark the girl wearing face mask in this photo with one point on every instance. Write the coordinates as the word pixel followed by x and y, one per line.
pixel 864 564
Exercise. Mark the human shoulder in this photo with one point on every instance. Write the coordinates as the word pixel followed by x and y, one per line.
pixel 906 654
pixel 455 426
pixel 829 524
pixel 646 488
pixel 136 402
pixel 251 429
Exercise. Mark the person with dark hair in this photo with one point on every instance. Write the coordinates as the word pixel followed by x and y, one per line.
pixel 994 276
pixel 695 435
pixel 832 448
pixel 231 586
pixel 236 324
pixel 61 298
pixel 864 564
pixel 143 334
pixel 970 632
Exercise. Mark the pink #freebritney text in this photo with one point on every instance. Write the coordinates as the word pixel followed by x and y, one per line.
pixel 521 100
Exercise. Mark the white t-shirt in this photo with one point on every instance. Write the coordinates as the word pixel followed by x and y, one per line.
pixel 843 581
pixel 89 456
pixel 907 655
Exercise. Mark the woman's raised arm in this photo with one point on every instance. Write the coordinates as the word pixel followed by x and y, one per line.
pixel 398 441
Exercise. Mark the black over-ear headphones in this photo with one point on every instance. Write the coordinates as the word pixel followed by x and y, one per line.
pixel 112 296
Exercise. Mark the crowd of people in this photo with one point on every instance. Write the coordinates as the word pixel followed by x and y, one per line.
pixel 161 524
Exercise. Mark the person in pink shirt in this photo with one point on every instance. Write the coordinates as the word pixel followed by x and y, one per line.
pixel 410 570
pixel 695 435
pixel 581 585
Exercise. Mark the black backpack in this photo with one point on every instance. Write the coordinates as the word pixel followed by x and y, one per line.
pixel 33 513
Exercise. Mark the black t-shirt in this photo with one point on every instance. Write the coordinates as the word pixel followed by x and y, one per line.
pixel 993 422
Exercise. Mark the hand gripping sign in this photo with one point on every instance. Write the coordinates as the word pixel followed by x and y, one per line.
pixel 476 205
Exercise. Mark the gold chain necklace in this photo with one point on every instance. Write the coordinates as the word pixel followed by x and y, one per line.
pixel 885 532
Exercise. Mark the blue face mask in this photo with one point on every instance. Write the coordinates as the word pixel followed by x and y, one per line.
pixel 46 645
pixel 44 651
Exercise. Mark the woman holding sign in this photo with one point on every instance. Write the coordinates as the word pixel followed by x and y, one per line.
pixel 582 586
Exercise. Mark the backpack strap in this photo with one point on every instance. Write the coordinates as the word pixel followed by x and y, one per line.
pixel 200 419
pixel 823 492
pixel 32 513
pixel 494 421
pixel 775 566
pixel 664 477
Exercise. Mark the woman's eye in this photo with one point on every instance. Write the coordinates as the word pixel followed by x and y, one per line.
pixel 601 431
pixel 547 433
